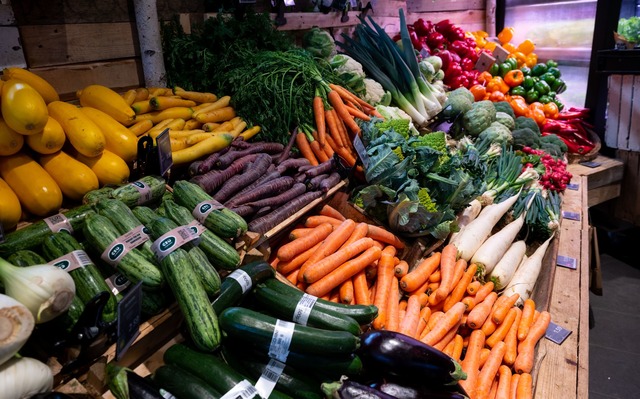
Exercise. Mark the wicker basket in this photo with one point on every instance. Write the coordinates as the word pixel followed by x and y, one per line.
pixel 589 156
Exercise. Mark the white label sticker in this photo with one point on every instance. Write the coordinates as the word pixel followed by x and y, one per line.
pixel 243 390
pixel 58 223
pixel 242 278
pixel 171 241
pixel 114 253
pixel 281 340
pixel 197 227
pixel 72 261
pixel 117 283
pixel 270 376
pixel 145 192
pixel 303 309
pixel 203 209
pixel 166 394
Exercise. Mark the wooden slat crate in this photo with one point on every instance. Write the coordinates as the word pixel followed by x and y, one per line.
pixel 622 129
pixel 627 206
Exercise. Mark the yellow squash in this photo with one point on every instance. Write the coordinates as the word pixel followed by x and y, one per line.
pixel 38 193
pixel 108 167
pixel 83 134
pixel 43 87
pixel 107 101
pixel 23 108
pixel 10 209
pixel 208 146
pixel 74 178
pixel 119 140
pixel 10 140
pixel 50 140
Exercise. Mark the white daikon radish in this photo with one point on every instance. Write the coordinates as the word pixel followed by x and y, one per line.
pixel 475 233
pixel 23 377
pixel 502 274
pixel 16 326
pixel 494 247
pixel 467 215
pixel 527 274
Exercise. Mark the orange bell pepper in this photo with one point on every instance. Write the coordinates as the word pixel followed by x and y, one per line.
pixel 497 84
pixel 551 110
pixel 496 96
pixel 537 113
pixel 514 78
pixel 509 47
pixel 490 45
pixel 506 35
pixel 478 91
pixel 481 42
pixel 532 60
pixel 484 77
pixel 520 106
pixel 520 57
pixel 526 47
pixel 481 33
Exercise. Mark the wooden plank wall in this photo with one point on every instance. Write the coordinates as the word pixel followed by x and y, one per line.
pixel 72 44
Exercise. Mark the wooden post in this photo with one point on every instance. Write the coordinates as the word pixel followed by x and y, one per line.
pixel 150 43
pixel 490 18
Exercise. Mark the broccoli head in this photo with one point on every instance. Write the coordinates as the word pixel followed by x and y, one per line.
pixel 506 120
pixel 504 106
pixel 525 137
pixel 553 145
pixel 524 121
pixel 496 133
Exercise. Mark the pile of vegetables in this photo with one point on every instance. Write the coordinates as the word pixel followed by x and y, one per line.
pixel 523 52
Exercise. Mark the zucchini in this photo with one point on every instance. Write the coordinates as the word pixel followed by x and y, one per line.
pixel 125 221
pixel 26 257
pixel 145 214
pixel 183 384
pixel 221 254
pixel 285 306
pixel 32 235
pixel 363 314
pixel 179 271
pixel 254 327
pixel 237 284
pixel 209 368
pixel 154 302
pixel 220 220
pixel 142 191
pixel 101 234
pixel 96 195
pixel 87 278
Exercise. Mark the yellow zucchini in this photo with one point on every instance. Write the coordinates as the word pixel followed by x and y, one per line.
pixel 107 101
pixel 119 139
pixel 108 167
pixel 10 209
pixel 50 140
pixel 141 127
pixel 43 87
pixel 74 178
pixel 23 108
pixel 83 133
pixel 10 140
pixel 218 115
pixel 169 113
pixel 38 193
pixel 208 146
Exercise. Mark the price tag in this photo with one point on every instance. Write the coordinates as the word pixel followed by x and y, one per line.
pixel 571 215
pixel 424 53
pixel 500 53
pixel 361 150
pixel 590 164
pixel 165 157
pixel 573 186
pixel 128 319
pixel 281 339
pixel 484 62
pixel 243 390
pixel 556 333
pixel 270 376
pixel 567 262
pixel 117 283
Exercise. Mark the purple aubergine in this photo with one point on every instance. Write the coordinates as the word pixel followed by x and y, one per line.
pixel 349 389
pixel 406 391
pixel 396 354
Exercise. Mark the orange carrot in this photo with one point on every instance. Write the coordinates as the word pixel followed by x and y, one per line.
pixel 343 272
pixel 293 276
pixel 484 355
pixel 323 267
pixel 450 319
pixel 473 287
pixel 384 235
pixel 524 389
pixel 305 148
pixel 448 337
pixel 401 269
pixel 346 292
pixel 318 113
pixel 420 274
pixel 321 156
pixel 295 263
pixel 289 250
pixel 477 316
pixel 409 323
pixel 361 290
pixel 347 95
pixel 528 311
pixel 344 134
pixel 503 328
pixel 328 149
pixel 494 389
pixel 499 313
pixel 471 362
pixel 333 130
pixel 515 378
pixel 334 296
pixel 328 210
pixel 331 243
pixel 317 220
pixel 489 370
pixel 436 276
pixel 458 346
pixel 356 113
pixel 433 320
pixel 488 327
pixel 423 298
pixel 526 348
pixel 448 350
pixel 504 382
pixel 511 339
pixel 447 265
pixel 458 291
pixel 299 232
pixel 393 306
pixel 425 313
pixel 385 279
pixel 472 301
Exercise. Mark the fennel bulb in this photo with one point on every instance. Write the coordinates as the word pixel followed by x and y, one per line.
pixel 23 377
pixel 16 326
pixel 46 290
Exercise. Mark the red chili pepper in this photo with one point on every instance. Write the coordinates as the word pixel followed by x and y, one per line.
pixel 574 147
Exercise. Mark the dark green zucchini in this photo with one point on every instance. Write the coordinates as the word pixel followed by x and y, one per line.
pixel 100 233
pixel 220 220
pixel 254 327
pixel 154 302
pixel 237 284
pixel 96 195
pixel 221 254
pixel 26 257
pixel 31 236
pixel 132 194
pixel 88 280
pixel 363 314
pixel 179 271
pixel 183 384
pixel 145 214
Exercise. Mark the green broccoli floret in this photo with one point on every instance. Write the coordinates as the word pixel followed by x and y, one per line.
pixel 524 121
pixel 398 152
pixel 554 139
pixel 425 200
pixel 400 126
pixel 496 133
pixel 481 115
pixel 505 119
pixel 525 137
pixel 504 106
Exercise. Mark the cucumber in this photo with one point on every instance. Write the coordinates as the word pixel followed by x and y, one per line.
pixel 142 191
pixel 26 257
pixel 88 280
pixel 125 221
pixel 285 307
pixel 31 236
pixel 100 233
pixel 204 270
pixel 221 254
pixel 237 284
pixel 145 214
pixel 96 195
pixel 209 368
pixel 221 221
pixel 179 271
pixel 183 384
pixel 254 327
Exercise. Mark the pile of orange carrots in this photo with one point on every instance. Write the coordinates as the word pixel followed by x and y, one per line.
pixel 439 301
pixel 335 126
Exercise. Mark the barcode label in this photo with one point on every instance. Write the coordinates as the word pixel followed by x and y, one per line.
pixel 73 260
pixel 171 241
pixel 242 278
pixel 166 395
pixel 243 390
pixel 303 309
pixel 144 190
pixel 281 340
pixel 57 223
pixel 136 237
pixel 270 376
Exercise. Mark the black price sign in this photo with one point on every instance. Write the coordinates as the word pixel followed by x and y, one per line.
pixel 128 319
pixel 361 150
pixel 590 164
pixel 556 333
pixel 165 159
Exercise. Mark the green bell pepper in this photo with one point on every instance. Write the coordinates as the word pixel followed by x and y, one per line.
pixel 539 69
pixel 518 91
pixel 532 96
pixel 548 77
pixel 528 82
pixel 554 71
pixel 544 99
pixel 552 64
pixel 541 87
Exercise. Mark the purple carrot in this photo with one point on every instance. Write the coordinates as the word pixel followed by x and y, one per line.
pixel 275 186
pixel 244 211
pixel 264 211
pixel 325 167
pixel 329 182
pixel 239 143
pixel 292 163
pixel 314 183
pixel 269 175
pixel 213 179
pixel 208 163
pixel 287 149
pixel 267 148
pixel 295 191
pixel 265 223
pixel 235 184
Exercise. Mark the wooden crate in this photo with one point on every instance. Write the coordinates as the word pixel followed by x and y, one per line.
pixel 622 130
pixel 627 205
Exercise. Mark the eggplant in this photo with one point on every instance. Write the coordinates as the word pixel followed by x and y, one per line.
pixel 405 391
pixel 396 354
pixel 349 389
pixel 142 388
